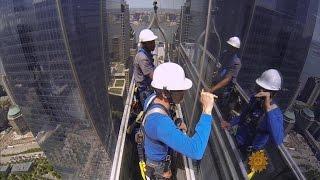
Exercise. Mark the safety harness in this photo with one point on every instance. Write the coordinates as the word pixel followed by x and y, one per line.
pixel 252 118
pixel 141 135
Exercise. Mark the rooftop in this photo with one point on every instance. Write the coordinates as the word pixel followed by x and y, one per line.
pixel 4 168
pixel 118 87
pixel 116 91
pixel 13 111
pixel 21 167
pixel 119 82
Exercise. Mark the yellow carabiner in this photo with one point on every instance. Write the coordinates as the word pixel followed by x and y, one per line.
pixel 143 169
pixel 251 174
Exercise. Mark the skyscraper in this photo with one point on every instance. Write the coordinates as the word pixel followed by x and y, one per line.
pixel 184 22
pixel 311 91
pixel 125 32
pixel 53 53
pixel 279 37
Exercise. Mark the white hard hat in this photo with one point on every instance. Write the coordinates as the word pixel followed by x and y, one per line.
pixel 270 80
pixel 147 35
pixel 234 41
pixel 170 76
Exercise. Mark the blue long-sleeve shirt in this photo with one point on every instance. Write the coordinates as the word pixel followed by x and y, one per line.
pixel 161 128
pixel 270 125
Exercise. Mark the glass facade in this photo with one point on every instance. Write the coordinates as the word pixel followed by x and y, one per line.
pixel 54 54
pixel 274 34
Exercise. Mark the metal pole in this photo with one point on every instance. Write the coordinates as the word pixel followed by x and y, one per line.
pixel 249 27
pixel 202 59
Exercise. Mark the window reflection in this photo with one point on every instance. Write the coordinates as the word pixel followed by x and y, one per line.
pixel 284 35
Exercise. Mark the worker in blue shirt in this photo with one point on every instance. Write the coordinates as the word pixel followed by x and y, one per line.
pixel 224 81
pixel 262 119
pixel 143 66
pixel 161 133
pixel 231 65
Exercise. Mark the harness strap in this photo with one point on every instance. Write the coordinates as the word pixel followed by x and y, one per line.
pixel 153 109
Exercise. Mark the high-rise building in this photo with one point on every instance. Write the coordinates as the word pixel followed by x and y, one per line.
pixel 198 12
pixel 311 91
pixel 279 37
pixel 4 107
pixel 119 32
pixel 125 32
pixel 116 51
pixel 184 26
pixel 54 56
pixel 17 121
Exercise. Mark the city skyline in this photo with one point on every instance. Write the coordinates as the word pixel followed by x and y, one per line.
pixel 163 4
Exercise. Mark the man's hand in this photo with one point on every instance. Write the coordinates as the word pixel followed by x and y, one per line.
pixel 207 90
pixel 212 90
pixel 225 125
pixel 183 127
pixel 267 99
pixel 207 100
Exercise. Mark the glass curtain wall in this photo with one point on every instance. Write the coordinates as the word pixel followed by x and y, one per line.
pixel 274 34
pixel 54 55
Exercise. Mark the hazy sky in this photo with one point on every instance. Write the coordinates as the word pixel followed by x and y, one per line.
pixel 165 4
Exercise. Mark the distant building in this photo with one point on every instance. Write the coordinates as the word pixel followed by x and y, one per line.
pixel 116 42
pixel 21 167
pixel 117 94
pixel 125 33
pixel 5 169
pixel 3 120
pixel 4 107
pixel 279 37
pixel 16 120
pixel 119 71
pixel 185 19
pixel 311 91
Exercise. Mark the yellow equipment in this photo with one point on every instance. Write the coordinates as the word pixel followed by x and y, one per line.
pixel 143 169
pixel 257 162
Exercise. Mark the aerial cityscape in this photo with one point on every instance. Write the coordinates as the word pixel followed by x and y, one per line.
pixel 74 90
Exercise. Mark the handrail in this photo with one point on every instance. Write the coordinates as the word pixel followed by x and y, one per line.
pixel 242 92
pixel 215 128
pixel 187 161
pixel 282 149
pixel 117 160
pixel 291 163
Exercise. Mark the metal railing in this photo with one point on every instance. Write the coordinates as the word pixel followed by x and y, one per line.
pixel 118 156
pixel 117 160
pixel 282 149
pixel 229 166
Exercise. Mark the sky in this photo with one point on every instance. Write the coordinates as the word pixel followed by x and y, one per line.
pixel 165 4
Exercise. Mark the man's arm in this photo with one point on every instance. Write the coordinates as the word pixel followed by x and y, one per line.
pixel 192 147
pixel 275 125
pixel 221 84
pixel 273 130
pixel 231 72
